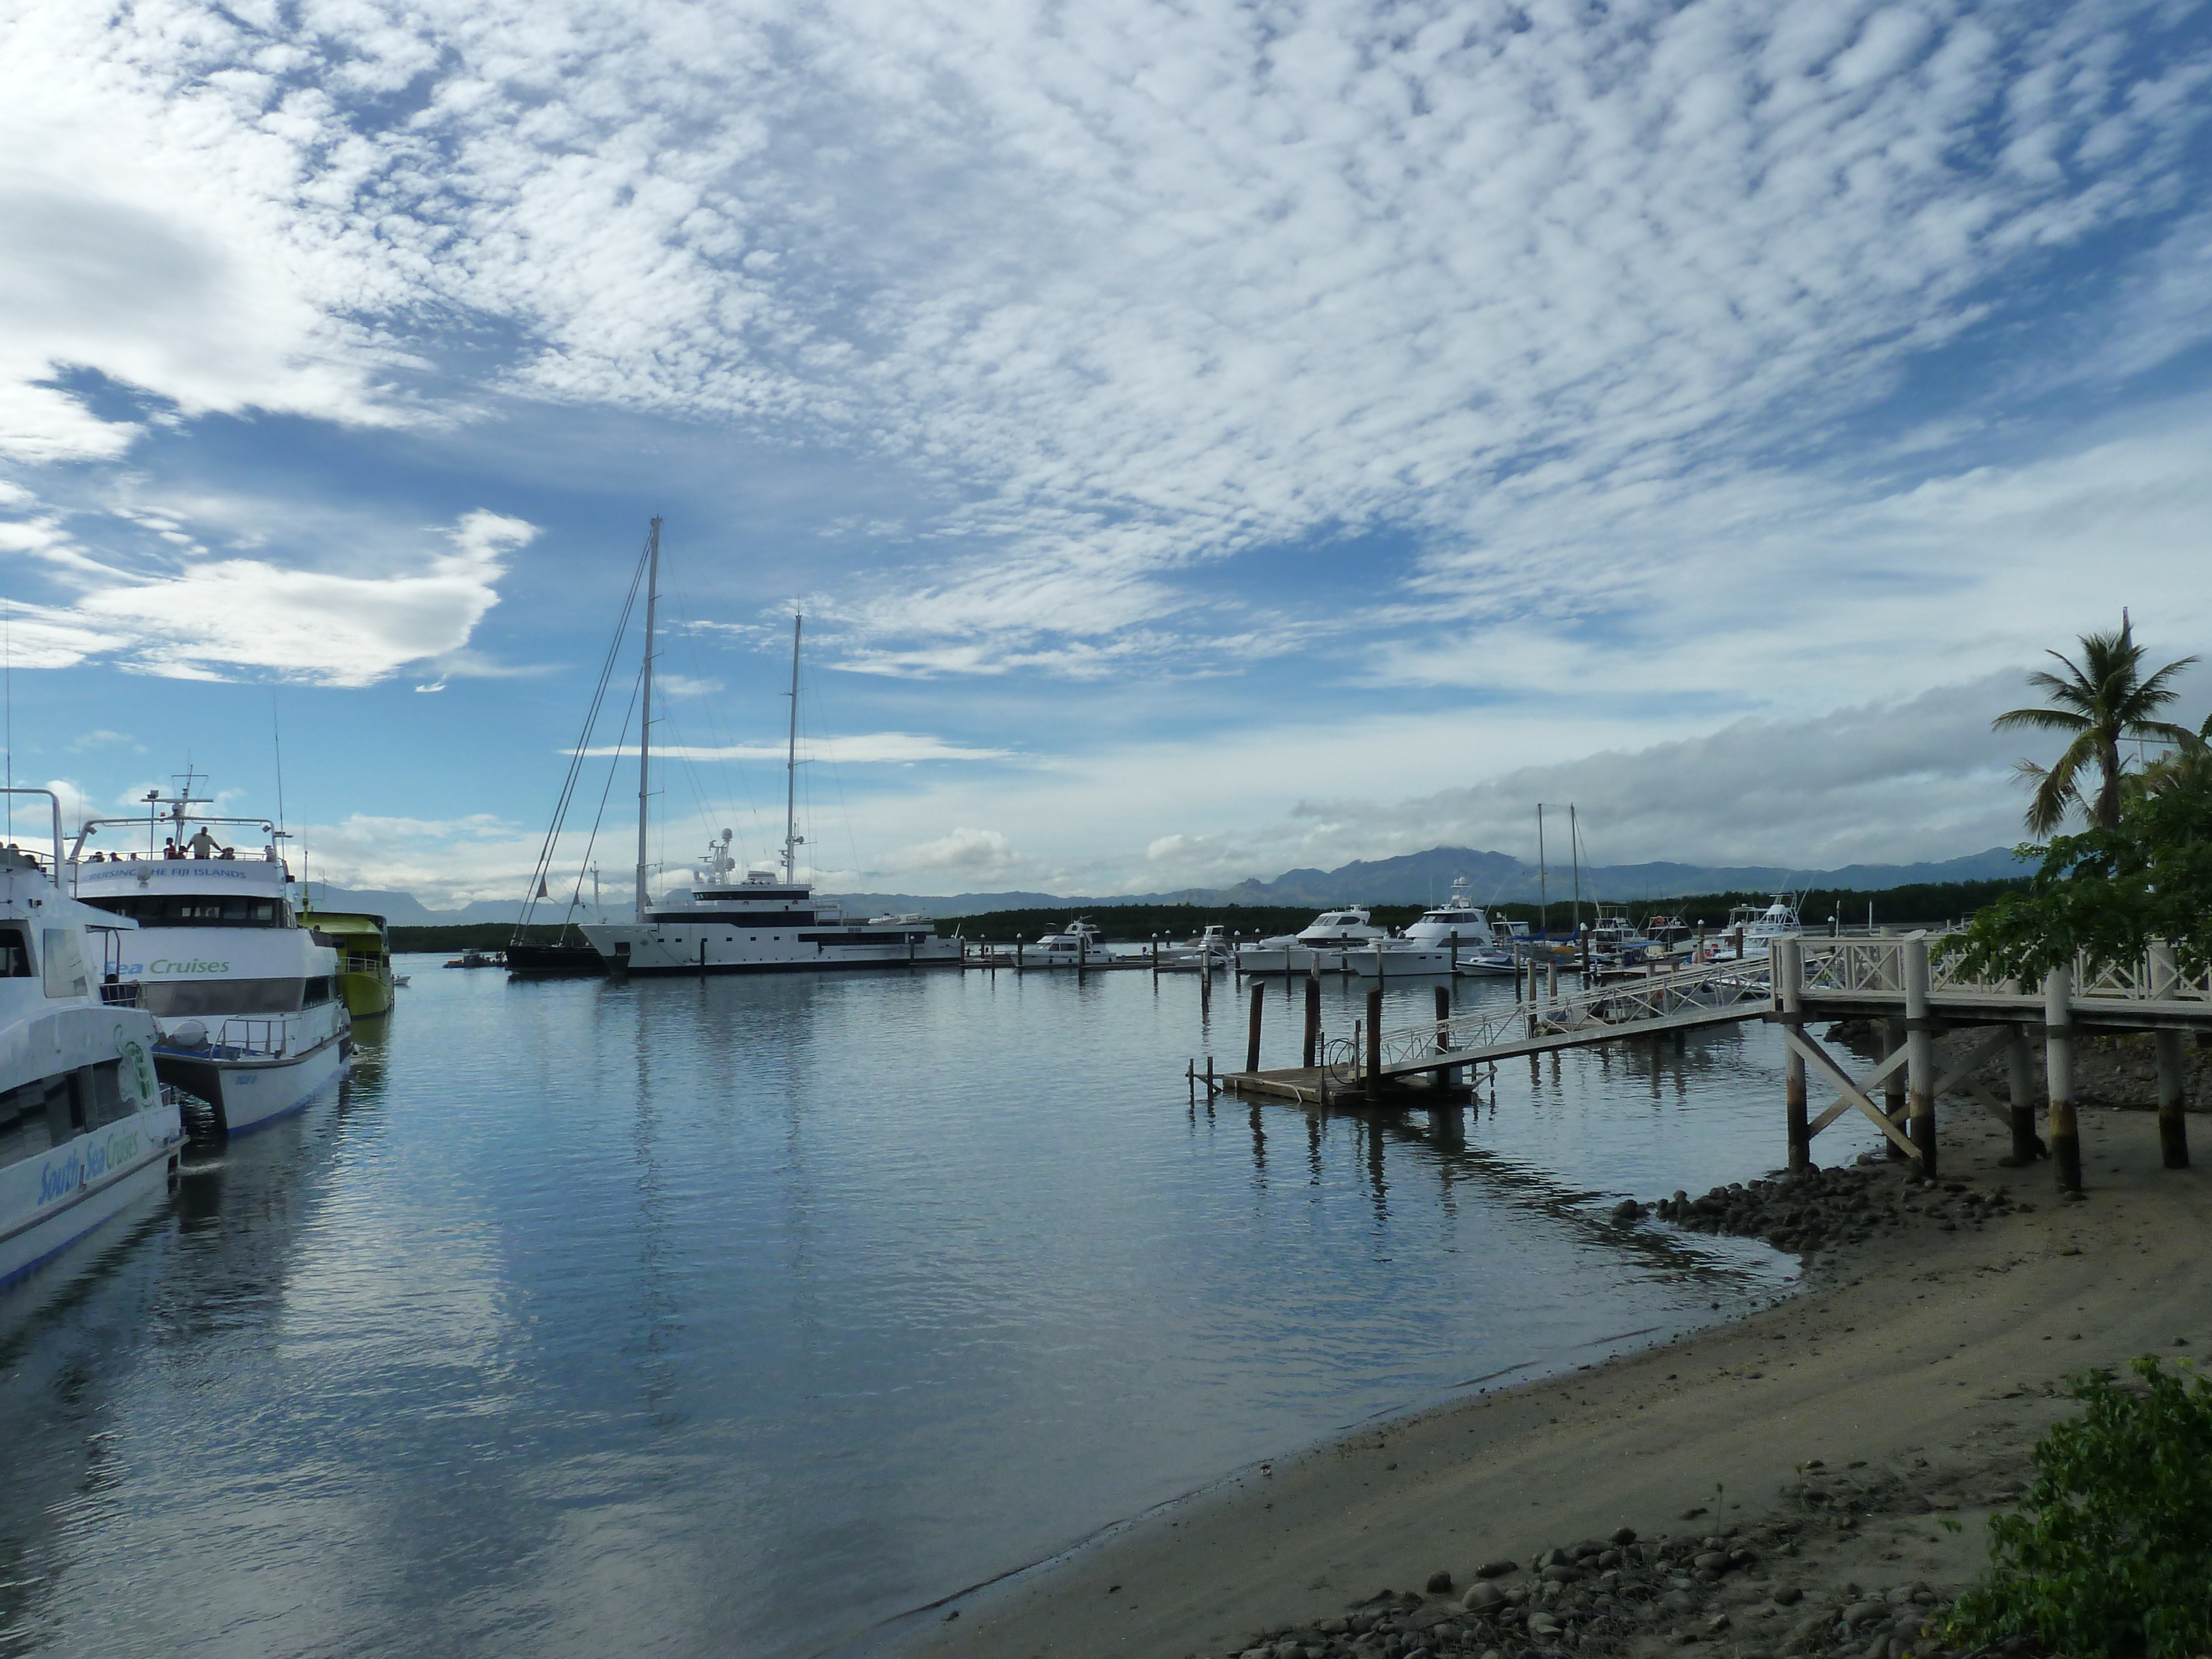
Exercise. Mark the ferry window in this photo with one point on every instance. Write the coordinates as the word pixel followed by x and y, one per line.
pixel 201 999
pixel 15 953
pixel 64 963
pixel 101 1087
pixel 24 1127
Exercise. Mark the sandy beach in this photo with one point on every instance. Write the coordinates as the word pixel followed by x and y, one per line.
pixel 1915 1370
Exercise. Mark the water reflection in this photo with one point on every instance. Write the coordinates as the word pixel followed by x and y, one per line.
pixel 694 1317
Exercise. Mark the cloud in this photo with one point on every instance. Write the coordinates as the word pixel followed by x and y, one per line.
pixel 965 853
pixel 874 747
pixel 204 617
pixel 1147 288
pixel 106 739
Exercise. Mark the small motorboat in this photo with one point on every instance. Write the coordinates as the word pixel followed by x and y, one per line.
pixel 478 959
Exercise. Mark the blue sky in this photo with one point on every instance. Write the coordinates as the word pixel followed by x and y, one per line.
pixel 1205 439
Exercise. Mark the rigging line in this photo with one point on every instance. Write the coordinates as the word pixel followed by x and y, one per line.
pixel 543 864
pixel 7 676
pixel 276 738
pixel 614 761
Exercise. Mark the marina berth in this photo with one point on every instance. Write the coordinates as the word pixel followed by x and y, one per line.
pixel 86 1129
pixel 251 1016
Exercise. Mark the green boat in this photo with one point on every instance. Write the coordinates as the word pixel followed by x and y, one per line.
pixel 365 957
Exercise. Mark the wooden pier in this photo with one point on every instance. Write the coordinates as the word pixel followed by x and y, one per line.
pixel 1913 985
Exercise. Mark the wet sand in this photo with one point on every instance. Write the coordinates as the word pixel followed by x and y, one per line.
pixel 1939 1354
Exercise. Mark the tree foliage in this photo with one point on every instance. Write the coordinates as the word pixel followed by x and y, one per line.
pixel 2109 892
pixel 2109 1553
pixel 2101 702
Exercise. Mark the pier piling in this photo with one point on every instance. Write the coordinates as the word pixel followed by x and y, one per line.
pixel 1892 1086
pixel 1311 1053
pixel 1920 1053
pixel 2065 1135
pixel 1789 982
pixel 1375 1080
pixel 2167 1047
pixel 2019 1089
pixel 1252 1038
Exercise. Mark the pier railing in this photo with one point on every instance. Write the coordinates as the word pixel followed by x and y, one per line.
pixel 1705 990
pixel 1876 969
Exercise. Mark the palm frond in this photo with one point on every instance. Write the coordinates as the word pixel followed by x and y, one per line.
pixel 2041 720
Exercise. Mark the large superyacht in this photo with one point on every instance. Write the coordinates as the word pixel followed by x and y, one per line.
pixel 764 921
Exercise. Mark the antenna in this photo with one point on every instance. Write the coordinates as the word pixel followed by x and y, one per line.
pixel 276 734
pixel 7 679
pixel 791 838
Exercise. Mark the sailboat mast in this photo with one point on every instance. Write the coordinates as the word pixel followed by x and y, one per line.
pixel 1575 843
pixel 1543 895
pixel 791 769
pixel 645 723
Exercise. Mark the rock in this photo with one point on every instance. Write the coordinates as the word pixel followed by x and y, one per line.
pixel 1561 1573
pixel 1709 1561
pixel 1497 1568
pixel 1860 1612
pixel 1440 1583
pixel 1716 1624
pixel 1625 1537
pixel 1788 1595
pixel 1482 1594
pixel 1628 1210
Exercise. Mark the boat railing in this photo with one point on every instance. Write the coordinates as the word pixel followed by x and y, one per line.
pixel 361 964
pixel 239 1037
pixel 121 993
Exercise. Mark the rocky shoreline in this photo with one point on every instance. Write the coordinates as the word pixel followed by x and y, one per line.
pixel 1821 1209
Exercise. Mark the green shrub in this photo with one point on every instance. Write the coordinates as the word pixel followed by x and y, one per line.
pixel 2112 1551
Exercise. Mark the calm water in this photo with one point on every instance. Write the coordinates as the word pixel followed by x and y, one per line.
pixel 741 1316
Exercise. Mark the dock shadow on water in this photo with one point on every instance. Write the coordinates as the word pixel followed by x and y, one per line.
pixel 742 1315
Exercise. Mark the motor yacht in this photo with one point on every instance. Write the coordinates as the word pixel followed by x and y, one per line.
pixel 86 1129
pixel 1754 929
pixel 1079 941
pixel 364 957
pixel 251 1017
pixel 1457 921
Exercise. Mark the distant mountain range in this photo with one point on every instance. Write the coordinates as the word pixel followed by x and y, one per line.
pixel 1414 879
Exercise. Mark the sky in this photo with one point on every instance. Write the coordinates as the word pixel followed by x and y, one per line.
pixel 1202 439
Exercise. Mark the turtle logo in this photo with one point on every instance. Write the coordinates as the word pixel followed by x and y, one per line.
pixel 140 1068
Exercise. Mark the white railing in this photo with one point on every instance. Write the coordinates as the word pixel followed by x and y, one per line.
pixel 1711 988
pixel 1874 968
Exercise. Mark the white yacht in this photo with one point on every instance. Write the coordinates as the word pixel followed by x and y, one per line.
pixel 1345 940
pixel 1457 921
pixel 761 923
pixel 253 1018
pixel 86 1129
pixel 1076 942
pixel 1758 928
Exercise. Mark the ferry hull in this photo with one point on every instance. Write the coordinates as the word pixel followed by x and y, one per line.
pixel 249 1093
pixel 942 953
pixel 366 993
pixel 48 1203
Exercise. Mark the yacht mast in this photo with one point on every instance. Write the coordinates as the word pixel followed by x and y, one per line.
pixel 645 723
pixel 1543 897
pixel 791 838
pixel 1575 844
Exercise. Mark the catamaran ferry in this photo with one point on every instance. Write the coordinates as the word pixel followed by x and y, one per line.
pixel 251 1016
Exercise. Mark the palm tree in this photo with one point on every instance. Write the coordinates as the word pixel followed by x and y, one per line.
pixel 2103 701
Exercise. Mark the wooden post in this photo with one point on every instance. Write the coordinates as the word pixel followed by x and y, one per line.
pixel 1374 1039
pixel 2065 1135
pixel 1892 1086
pixel 1378 961
pixel 1448 1077
pixel 1920 1053
pixel 1739 942
pixel 1518 975
pixel 1209 1079
pixel 2166 1046
pixel 1252 1038
pixel 1082 950
pixel 1312 1052
pixel 1552 981
pixel 1018 953
pixel 2019 1085
pixel 1789 963
pixel 1190 1071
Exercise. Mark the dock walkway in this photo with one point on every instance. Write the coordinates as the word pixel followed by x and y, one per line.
pixel 1914 985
